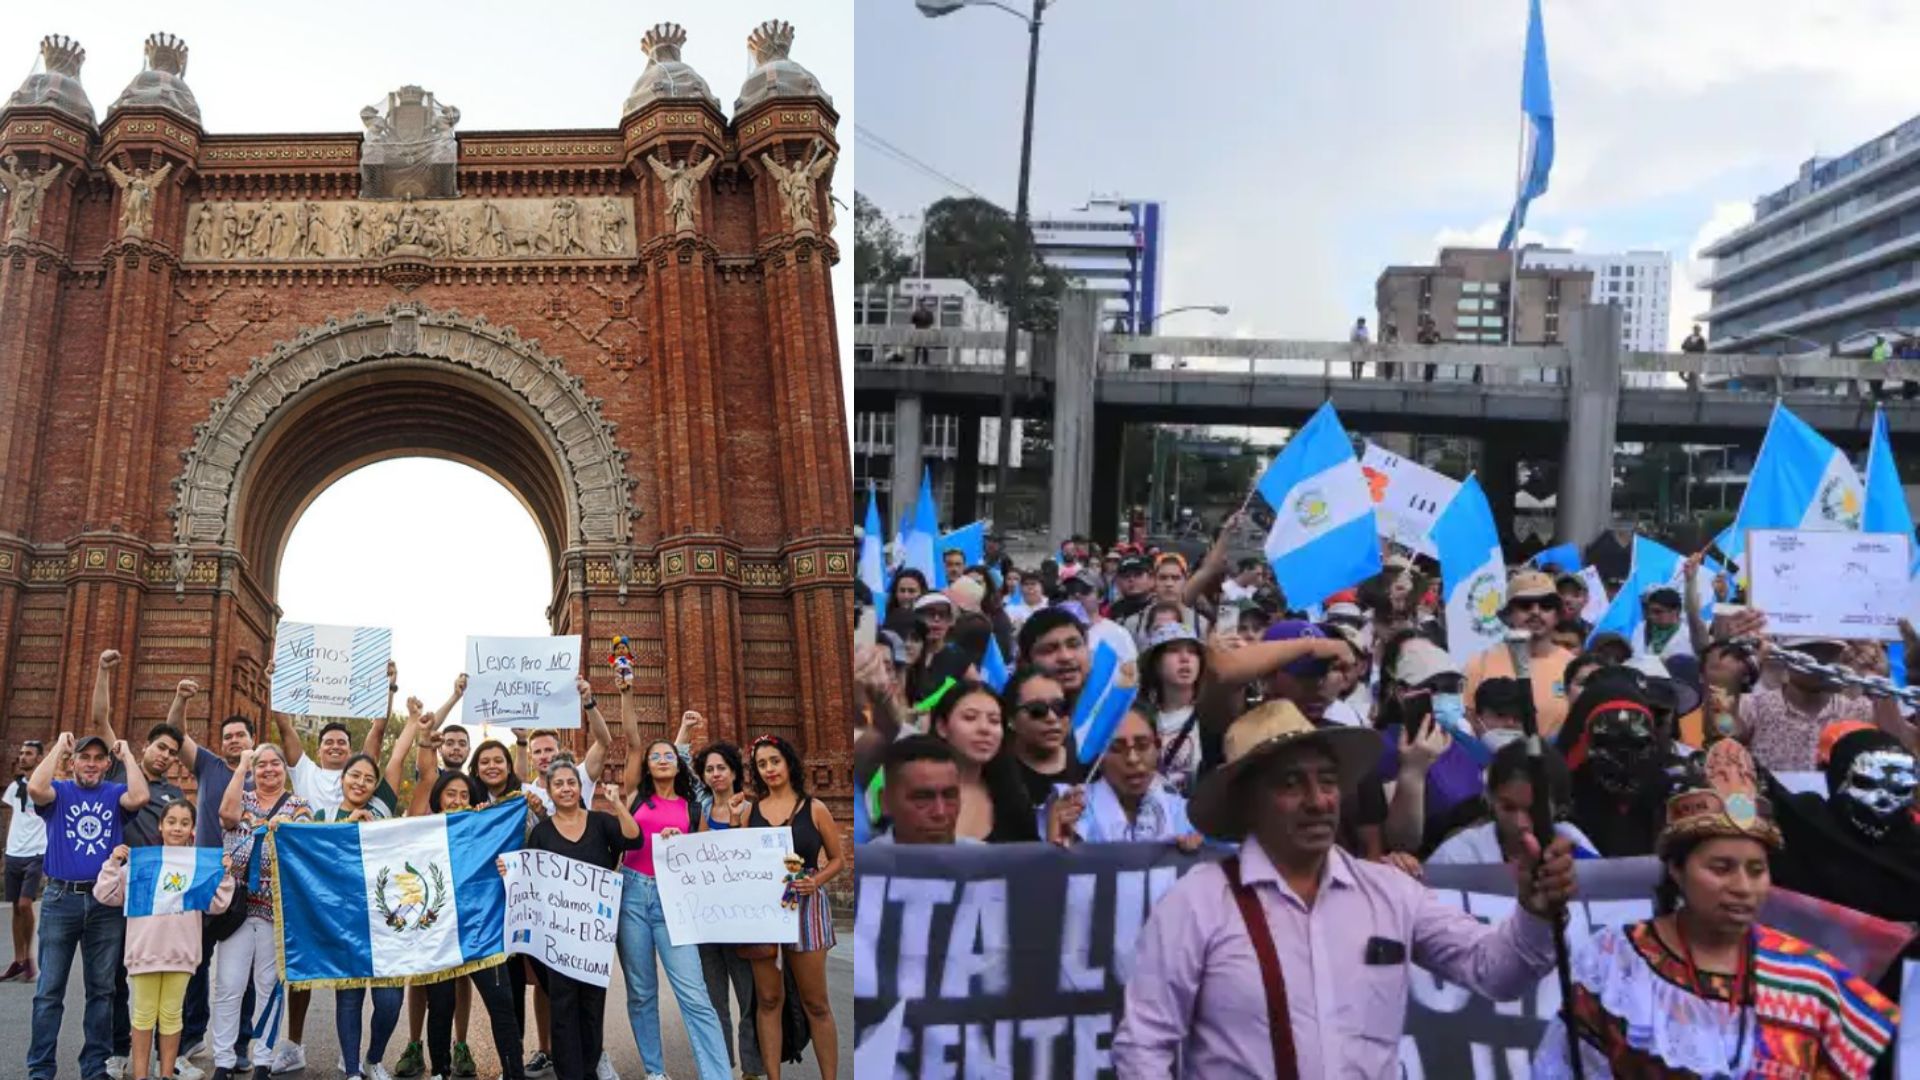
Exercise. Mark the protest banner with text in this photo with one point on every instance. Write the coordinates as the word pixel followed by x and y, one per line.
pixel 1011 960
pixel 523 682
pixel 1817 583
pixel 726 886
pixel 333 671
pixel 563 913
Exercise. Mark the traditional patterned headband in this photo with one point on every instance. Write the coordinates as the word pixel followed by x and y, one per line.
pixel 1730 806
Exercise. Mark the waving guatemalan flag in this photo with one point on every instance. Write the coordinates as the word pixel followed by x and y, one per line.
pixel 1799 481
pixel 1324 537
pixel 873 568
pixel 1536 133
pixel 1472 571
pixel 381 902
pixel 172 880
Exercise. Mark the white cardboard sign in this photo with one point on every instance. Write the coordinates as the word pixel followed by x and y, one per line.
pixel 331 671
pixel 563 913
pixel 725 885
pixel 1828 583
pixel 1407 497
pixel 523 682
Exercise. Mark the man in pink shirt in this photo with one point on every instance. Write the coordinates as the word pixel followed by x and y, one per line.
pixel 1335 938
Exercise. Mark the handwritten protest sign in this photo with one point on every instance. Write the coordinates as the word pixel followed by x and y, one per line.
pixel 725 886
pixel 523 681
pixel 1407 497
pixel 563 913
pixel 1829 584
pixel 331 670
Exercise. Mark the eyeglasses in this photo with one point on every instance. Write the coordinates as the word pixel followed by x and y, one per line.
pixel 1145 746
pixel 1038 710
pixel 662 755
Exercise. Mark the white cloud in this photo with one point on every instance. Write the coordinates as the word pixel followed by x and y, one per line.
pixel 1487 234
pixel 1689 300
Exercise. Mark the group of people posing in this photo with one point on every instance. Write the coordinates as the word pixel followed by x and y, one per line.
pixel 210 982
pixel 1336 758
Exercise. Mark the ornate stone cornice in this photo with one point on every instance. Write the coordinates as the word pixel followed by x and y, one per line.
pixel 599 489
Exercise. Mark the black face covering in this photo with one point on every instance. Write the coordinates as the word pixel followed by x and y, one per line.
pixel 1620 748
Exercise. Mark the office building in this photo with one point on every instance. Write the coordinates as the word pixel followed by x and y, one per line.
pixel 1830 259
pixel 1640 283
pixel 1465 294
pixel 1114 247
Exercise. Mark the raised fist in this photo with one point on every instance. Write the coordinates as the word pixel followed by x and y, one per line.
pixel 110 658
pixel 186 689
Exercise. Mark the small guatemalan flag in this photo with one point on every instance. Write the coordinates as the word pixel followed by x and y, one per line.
pixel 172 880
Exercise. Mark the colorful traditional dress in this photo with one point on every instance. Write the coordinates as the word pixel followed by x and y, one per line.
pixel 1640 1012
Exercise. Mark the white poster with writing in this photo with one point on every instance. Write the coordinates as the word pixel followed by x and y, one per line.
pixel 331 671
pixel 563 913
pixel 1597 598
pixel 1407 497
pixel 727 885
pixel 523 682
pixel 1828 584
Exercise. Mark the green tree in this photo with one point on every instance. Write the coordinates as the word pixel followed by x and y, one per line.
pixel 879 252
pixel 972 239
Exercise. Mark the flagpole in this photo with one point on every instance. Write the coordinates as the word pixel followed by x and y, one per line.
pixel 1519 187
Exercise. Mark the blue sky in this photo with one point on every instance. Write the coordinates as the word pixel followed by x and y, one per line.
pixel 1302 147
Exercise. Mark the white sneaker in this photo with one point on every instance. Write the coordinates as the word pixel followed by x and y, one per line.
pixel 117 1068
pixel 658 1076
pixel 377 1071
pixel 187 1070
pixel 288 1058
pixel 604 1070
pixel 198 1049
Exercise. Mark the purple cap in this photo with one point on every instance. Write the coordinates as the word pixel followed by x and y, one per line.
pixel 1293 629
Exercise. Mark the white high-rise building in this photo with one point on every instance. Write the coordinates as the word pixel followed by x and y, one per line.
pixel 1641 282
pixel 1111 246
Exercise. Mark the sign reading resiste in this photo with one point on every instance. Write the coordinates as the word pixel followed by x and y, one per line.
pixel 523 682
pixel 726 886
pixel 331 671
pixel 563 913
pixel 1818 583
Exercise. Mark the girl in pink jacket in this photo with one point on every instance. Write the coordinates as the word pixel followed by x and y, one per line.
pixel 162 950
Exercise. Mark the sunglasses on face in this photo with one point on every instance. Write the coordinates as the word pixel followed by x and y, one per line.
pixel 1038 710
pixel 1536 603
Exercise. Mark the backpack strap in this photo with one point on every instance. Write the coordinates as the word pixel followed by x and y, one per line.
pixel 1279 1020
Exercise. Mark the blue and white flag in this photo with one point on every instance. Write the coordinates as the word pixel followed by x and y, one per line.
pixel 1654 566
pixel 873 567
pixel 1887 512
pixel 1536 104
pixel 1799 481
pixel 1473 573
pixel 1324 537
pixel 969 540
pixel 993 668
pixel 376 903
pixel 1102 704
pixel 1564 559
pixel 921 533
pixel 172 880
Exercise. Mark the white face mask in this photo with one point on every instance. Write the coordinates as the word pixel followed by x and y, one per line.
pixel 1498 738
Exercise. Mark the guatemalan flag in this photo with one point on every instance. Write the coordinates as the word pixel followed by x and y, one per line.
pixel 172 880
pixel 873 571
pixel 379 902
pixel 1324 537
pixel 1472 572
pixel 1536 148
pixel 920 534
pixel 1102 704
pixel 1886 511
pixel 1799 481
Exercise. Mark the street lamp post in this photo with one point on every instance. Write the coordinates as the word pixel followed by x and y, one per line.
pixel 1017 283
pixel 1217 309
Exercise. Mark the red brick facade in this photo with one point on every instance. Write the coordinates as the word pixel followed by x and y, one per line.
pixel 672 414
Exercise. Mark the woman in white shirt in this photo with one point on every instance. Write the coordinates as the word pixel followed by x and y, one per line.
pixel 1170 674
pixel 1129 802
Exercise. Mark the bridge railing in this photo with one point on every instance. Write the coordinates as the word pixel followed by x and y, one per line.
pixel 972 349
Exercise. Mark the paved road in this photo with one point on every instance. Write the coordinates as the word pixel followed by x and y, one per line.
pixel 323 1061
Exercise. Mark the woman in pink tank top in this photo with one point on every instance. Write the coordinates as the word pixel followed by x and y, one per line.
pixel 663 805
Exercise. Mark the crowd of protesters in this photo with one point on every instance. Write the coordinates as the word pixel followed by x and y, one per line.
pixel 163 990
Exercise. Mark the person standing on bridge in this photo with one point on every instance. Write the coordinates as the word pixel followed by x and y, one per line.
pixel 1359 336
pixel 1533 605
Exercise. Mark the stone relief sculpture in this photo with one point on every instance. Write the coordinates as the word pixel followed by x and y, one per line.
pixel 310 230
pixel 28 192
pixel 795 185
pixel 136 196
pixel 682 185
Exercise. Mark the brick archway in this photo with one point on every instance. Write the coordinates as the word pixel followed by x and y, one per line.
pixel 409 380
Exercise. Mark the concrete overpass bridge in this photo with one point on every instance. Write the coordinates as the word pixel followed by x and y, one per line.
pixel 1571 402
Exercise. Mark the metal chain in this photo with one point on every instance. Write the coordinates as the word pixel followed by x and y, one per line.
pixel 1871 685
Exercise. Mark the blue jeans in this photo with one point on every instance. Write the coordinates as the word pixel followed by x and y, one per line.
pixel 349 1008
pixel 71 919
pixel 643 936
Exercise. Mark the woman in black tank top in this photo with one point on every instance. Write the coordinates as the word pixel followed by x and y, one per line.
pixel 782 800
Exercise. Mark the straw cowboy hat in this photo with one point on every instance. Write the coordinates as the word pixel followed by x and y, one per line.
pixel 1220 805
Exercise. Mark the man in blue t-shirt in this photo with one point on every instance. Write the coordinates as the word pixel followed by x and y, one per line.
pixel 84 818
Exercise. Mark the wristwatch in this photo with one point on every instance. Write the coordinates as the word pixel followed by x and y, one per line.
pixel 589 704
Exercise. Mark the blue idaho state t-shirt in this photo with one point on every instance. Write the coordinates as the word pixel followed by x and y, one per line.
pixel 83 827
